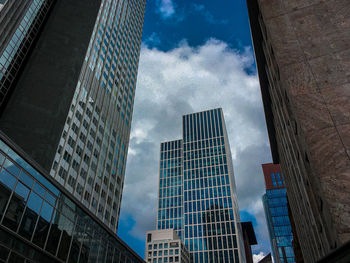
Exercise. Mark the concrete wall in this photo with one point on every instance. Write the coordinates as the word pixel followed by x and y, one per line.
pixel 307 48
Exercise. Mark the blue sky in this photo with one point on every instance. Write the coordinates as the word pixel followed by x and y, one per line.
pixel 197 48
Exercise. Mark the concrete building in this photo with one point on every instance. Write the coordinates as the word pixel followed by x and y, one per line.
pixel 302 55
pixel 164 246
pixel 69 73
pixel 249 240
pixel 197 192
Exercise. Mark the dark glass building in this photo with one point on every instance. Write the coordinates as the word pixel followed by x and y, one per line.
pixel 68 74
pixel 197 192
pixel 41 222
pixel 276 212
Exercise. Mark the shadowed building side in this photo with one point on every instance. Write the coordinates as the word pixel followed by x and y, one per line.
pixel 301 50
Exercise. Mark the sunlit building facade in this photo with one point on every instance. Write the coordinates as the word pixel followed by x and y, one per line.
pixel 277 217
pixel 197 193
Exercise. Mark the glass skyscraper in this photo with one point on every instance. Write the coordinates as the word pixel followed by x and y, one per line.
pixel 20 22
pixel 91 155
pixel 276 211
pixel 197 193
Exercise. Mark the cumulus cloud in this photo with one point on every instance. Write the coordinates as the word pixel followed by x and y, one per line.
pixel 166 8
pixel 189 79
pixel 153 39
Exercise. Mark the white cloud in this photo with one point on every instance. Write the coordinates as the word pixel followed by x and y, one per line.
pixel 258 257
pixel 184 80
pixel 207 15
pixel 166 8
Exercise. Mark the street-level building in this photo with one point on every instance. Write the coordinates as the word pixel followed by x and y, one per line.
pixel 40 221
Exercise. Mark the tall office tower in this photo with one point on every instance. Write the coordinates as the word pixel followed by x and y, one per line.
pixel 276 212
pixel 170 201
pixel 302 55
pixel 72 99
pixel 20 22
pixel 197 192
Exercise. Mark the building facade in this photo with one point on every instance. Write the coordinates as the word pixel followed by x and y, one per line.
pixel 41 222
pixel 165 246
pixel 249 240
pixel 197 193
pixel 20 22
pixel 77 87
pixel 301 50
pixel 276 212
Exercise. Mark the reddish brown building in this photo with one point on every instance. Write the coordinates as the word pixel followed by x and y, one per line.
pixel 271 171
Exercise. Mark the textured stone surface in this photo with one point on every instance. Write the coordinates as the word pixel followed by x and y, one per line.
pixel 337 101
pixel 292 5
pixel 301 81
pixel 311 44
pixel 344 132
pixel 272 8
pixel 285 44
pixel 329 70
pixel 311 112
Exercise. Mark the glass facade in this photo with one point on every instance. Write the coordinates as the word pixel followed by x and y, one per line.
pixel 91 155
pixel 18 37
pixel 209 215
pixel 277 217
pixel 41 223
pixel 170 202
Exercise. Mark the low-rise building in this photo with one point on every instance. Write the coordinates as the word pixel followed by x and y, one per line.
pixel 164 246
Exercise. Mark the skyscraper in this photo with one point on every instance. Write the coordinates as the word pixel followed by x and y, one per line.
pixel 71 100
pixel 197 193
pixel 276 212
pixel 302 56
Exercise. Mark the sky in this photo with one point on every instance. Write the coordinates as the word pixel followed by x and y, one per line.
pixel 195 55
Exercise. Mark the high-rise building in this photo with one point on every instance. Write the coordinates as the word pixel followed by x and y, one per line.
pixel 197 192
pixel 69 92
pixel 302 56
pixel 276 212
pixel 165 246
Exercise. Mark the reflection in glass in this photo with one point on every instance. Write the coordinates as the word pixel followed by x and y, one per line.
pixel 54 235
pixel 43 225
pixel 16 207
pixel 11 167
pixel 26 179
pixel 7 179
pixel 67 230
